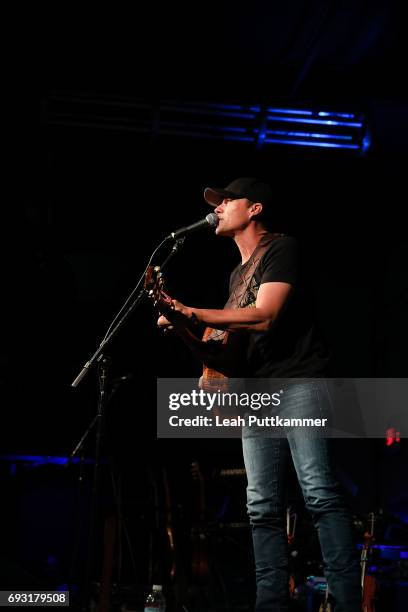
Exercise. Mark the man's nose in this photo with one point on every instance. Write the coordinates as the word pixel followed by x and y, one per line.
pixel 219 208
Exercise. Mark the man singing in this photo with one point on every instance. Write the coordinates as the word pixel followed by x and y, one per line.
pixel 268 306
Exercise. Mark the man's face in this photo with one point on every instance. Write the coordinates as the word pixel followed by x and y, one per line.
pixel 233 215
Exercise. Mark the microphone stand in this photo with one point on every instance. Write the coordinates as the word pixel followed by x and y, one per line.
pixel 99 419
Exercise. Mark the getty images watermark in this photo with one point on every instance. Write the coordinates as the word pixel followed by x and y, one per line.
pixel 245 408
pixel 359 407
pixel 217 402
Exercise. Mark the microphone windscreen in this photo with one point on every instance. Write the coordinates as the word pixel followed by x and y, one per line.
pixel 212 219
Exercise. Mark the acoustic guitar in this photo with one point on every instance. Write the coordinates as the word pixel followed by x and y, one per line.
pixel 233 342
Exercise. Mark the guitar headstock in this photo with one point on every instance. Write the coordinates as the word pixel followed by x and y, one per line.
pixel 153 285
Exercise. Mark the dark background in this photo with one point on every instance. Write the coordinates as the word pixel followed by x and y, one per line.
pixel 88 204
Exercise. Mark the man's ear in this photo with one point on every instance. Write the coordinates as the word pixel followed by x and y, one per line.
pixel 255 209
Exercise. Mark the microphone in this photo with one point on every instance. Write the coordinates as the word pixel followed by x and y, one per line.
pixel 211 220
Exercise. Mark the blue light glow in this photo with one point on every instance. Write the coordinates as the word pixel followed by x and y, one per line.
pixel 267 140
pixel 308 143
pixel 37 460
pixel 308 135
pixel 237 107
pixel 243 138
pixel 229 129
pixel 246 122
pixel 366 143
pixel 342 115
pixel 315 121
pixel 385 546
pixel 389 551
pixel 289 111
pixel 223 112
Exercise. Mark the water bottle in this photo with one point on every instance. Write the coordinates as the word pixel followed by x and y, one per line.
pixel 155 601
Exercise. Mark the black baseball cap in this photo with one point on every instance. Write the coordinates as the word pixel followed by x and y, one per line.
pixel 245 187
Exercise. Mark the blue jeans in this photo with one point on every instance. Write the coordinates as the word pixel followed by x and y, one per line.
pixel 265 462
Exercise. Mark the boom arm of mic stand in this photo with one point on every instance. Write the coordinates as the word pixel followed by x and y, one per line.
pixel 97 356
pixel 176 247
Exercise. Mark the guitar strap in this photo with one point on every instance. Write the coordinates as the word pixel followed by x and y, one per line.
pixel 238 295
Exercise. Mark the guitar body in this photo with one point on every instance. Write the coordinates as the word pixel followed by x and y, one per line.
pixel 212 380
pixel 234 354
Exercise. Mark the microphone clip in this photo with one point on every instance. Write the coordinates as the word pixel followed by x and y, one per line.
pixel 178 244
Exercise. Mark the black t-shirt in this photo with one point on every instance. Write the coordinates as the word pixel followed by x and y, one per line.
pixel 292 347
